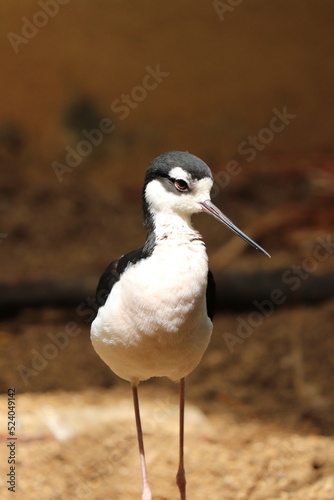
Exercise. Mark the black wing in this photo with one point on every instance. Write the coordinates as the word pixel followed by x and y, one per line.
pixel 210 295
pixel 113 273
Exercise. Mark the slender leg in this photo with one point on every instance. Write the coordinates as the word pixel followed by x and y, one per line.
pixel 180 476
pixel 147 495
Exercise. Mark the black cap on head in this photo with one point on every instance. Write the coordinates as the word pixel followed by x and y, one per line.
pixel 163 164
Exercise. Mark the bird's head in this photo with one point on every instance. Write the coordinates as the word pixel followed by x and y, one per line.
pixel 180 183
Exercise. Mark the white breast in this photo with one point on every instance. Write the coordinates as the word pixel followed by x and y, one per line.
pixel 154 322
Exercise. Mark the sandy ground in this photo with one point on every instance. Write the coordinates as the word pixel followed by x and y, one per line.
pixel 82 445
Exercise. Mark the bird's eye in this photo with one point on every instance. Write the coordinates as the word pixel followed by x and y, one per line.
pixel 181 185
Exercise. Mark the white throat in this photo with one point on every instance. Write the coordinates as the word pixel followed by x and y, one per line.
pixel 172 225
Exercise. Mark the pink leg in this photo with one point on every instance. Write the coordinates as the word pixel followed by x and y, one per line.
pixel 147 495
pixel 180 476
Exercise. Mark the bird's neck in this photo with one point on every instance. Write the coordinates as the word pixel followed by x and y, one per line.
pixel 173 227
pixel 172 219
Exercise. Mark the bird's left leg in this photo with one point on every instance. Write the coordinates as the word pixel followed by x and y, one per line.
pixel 146 495
pixel 180 476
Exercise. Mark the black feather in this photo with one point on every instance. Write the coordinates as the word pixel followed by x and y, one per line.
pixel 210 295
pixel 106 282
pixel 114 271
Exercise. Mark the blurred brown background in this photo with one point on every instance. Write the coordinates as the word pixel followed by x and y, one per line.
pixel 90 93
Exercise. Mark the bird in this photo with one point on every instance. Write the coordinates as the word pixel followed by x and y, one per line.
pixel 155 304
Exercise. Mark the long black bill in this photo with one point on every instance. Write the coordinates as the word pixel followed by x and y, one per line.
pixel 211 209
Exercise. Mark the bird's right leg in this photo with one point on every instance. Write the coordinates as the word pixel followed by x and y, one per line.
pixel 147 495
pixel 181 477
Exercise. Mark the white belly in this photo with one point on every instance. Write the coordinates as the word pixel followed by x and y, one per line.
pixel 154 322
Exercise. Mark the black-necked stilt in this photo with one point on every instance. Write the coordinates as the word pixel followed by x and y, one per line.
pixel 156 303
